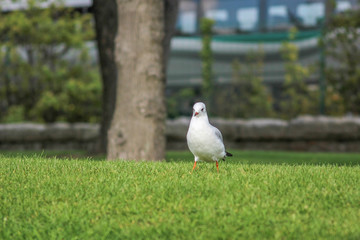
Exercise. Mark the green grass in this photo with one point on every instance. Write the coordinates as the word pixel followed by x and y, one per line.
pixel 256 195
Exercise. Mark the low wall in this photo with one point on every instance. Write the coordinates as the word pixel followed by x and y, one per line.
pixel 300 134
pixel 57 136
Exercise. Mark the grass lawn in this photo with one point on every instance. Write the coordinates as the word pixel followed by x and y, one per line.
pixel 256 195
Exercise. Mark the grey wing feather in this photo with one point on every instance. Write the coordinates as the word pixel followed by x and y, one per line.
pixel 218 134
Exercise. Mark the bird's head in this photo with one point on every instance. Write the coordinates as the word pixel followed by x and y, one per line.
pixel 199 109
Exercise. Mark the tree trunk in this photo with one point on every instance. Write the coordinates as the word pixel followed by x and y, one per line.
pixel 171 12
pixel 137 130
pixel 105 13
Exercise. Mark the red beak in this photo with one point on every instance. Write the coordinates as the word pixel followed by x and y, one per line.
pixel 196 113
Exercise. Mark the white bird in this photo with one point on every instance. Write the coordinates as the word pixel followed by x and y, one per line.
pixel 204 140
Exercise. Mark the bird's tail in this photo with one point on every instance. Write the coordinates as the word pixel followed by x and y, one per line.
pixel 227 155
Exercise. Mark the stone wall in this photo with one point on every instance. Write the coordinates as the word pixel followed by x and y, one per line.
pixel 300 134
pixel 57 136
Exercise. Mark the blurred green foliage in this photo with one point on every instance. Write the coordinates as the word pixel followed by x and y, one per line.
pixel 342 40
pixel 207 58
pixel 15 114
pixel 247 94
pixel 179 102
pixel 46 74
pixel 297 97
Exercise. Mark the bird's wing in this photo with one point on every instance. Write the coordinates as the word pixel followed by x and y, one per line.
pixel 218 134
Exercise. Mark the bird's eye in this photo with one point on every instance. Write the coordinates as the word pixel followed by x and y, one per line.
pixel 202 109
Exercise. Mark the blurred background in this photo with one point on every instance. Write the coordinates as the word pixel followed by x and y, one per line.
pixel 273 58
pixel 269 56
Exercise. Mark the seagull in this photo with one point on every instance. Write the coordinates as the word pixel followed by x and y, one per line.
pixel 204 140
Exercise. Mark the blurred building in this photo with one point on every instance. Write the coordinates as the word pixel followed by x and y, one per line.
pixel 241 26
pixel 244 25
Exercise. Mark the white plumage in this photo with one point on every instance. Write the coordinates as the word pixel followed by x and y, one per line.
pixel 204 140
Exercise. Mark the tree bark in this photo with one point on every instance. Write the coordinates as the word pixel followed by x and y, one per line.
pixel 171 12
pixel 137 130
pixel 105 13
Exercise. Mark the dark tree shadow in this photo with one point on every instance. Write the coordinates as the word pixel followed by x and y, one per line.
pixel 239 157
pixel 279 158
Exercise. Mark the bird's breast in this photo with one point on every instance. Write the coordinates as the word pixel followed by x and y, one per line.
pixel 203 143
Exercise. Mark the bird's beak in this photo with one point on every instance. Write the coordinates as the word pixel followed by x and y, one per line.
pixel 196 113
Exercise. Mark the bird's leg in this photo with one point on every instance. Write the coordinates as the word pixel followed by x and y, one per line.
pixel 217 166
pixel 193 166
pixel 195 160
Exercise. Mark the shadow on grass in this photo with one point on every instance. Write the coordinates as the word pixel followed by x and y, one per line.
pixel 240 157
pixel 74 154
pixel 279 158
